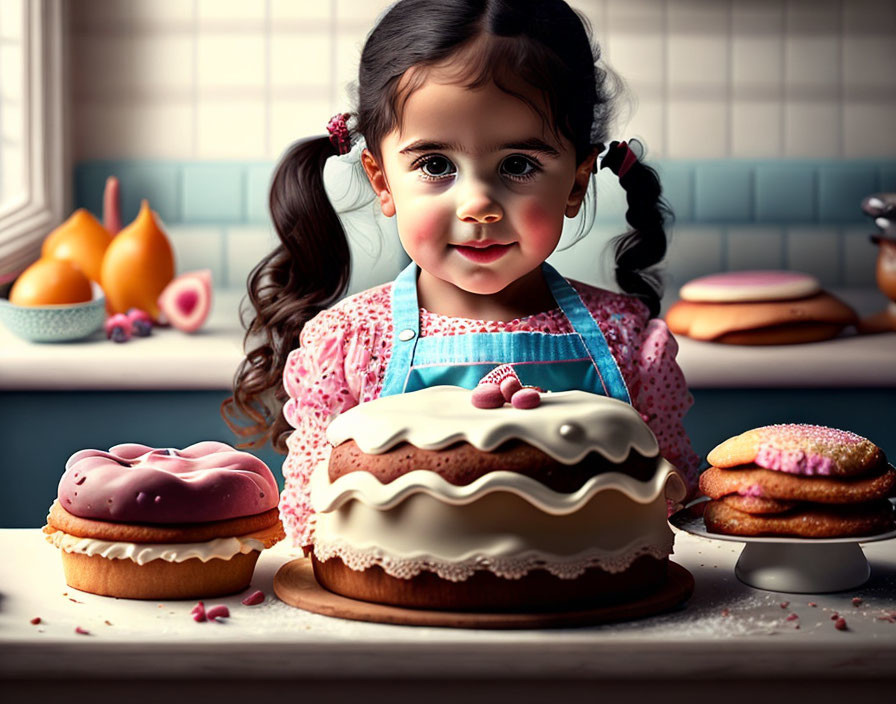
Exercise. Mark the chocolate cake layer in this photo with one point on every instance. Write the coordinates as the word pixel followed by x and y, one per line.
pixel 461 463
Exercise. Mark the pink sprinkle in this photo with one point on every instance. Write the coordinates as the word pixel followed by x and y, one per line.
pixel 835 616
pixel 509 387
pixel 254 598
pixel 726 612
pixel 198 612
pixel 35 620
pixel 216 612
pixel 82 631
pixel 785 604
pixel 792 617
pixel 526 398
pixel 813 604
pixel 488 396
pixel 840 624
pixel 856 601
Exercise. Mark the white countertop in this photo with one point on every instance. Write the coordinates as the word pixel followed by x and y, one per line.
pixel 726 630
pixel 208 359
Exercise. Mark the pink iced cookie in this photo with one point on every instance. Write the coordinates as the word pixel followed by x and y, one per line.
pixel 133 483
pixel 744 286
pixel 808 450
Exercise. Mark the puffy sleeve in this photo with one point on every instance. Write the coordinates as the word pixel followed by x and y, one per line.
pixel 659 391
pixel 321 379
pixel 645 351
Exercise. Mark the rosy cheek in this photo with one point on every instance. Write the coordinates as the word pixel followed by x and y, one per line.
pixel 539 223
pixel 424 228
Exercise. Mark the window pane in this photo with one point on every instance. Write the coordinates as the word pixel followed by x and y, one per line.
pixel 12 97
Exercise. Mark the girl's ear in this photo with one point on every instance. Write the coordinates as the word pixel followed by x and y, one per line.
pixel 580 185
pixel 377 177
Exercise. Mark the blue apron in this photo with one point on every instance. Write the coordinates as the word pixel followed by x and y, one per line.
pixel 577 360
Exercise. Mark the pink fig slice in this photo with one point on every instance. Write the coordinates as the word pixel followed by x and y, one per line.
pixel 186 301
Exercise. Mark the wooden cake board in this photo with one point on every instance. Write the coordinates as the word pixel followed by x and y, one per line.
pixel 295 584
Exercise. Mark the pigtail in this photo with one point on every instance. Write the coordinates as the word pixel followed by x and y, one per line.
pixel 645 243
pixel 307 272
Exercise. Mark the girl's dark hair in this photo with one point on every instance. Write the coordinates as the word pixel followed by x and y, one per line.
pixel 543 44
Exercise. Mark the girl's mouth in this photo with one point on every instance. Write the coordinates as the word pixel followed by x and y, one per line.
pixel 483 255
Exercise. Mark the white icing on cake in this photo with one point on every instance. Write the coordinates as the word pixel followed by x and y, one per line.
pixel 329 496
pixel 409 527
pixel 439 416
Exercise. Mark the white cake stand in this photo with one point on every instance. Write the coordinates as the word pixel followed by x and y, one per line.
pixel 788 564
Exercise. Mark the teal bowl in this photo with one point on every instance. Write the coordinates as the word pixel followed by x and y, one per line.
pixel 58 323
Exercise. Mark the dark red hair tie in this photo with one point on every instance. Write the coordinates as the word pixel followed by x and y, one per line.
pixel 340 137
pixel 620 158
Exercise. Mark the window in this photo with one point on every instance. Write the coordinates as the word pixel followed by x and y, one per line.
pixel 34 165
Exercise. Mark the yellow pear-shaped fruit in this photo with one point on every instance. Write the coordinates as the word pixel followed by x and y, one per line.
pixel 81 240
pixel 50 282
pixel 137 266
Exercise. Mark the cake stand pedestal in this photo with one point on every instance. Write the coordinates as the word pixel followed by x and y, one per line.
pixel 789 564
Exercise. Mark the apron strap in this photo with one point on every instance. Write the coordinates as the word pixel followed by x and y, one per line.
pixel 583 323
pixel 405 330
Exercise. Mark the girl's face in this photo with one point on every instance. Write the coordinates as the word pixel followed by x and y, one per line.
pixel 479 184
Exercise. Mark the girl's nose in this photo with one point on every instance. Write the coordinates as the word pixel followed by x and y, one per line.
pixel 477 206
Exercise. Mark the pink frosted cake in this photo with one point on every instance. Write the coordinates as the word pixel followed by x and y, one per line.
pixel 147 523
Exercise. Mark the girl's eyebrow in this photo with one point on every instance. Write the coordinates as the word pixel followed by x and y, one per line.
pixel 533 144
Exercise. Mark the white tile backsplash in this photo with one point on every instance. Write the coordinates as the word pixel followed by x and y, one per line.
pixel 812 129
pixel 756 129
pixel 198 248
pixel 814 76
pixel 751 248
pixel 246 246
pixel 697 129
pixel 817 250
pixel 230 129
pixel 230 60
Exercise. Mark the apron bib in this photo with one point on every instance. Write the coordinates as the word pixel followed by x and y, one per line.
pixel 577 360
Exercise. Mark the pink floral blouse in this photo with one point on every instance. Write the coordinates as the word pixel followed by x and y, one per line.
pixel 344 352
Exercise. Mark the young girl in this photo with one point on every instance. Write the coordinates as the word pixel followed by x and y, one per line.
pixel 479 125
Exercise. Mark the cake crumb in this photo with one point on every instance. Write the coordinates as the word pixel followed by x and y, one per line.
pixel 840 624
pixel 792 617
pixel 35 620
pixel 835 616
pixel 856 601
pixel 254 598
pixel 216 612
pixel 812 604
pixel 785 604
pixel 108 623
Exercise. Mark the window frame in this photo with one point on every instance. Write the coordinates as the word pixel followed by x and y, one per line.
pixel 26 221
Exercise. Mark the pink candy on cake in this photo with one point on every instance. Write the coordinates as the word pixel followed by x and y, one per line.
pixel 133 483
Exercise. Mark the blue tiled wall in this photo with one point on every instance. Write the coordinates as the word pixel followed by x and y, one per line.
pixel 723 192
pixel 729 214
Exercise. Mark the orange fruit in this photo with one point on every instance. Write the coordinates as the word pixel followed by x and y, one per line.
pixel 81 240
pixel 50 282
pixel 137 266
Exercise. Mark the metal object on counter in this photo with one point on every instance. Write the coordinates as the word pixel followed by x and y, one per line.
pixel 882 208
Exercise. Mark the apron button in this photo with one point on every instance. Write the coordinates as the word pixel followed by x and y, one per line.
pixel 406 335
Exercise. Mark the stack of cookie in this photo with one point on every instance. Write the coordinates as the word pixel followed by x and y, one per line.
pixel 798 480
pixel 758 308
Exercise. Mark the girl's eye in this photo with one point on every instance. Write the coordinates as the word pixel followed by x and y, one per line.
pixel 436 167
pixel 519 167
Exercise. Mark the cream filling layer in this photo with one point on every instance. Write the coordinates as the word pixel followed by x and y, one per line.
pixel 141 553
pixel 498 531
pixel 328 496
